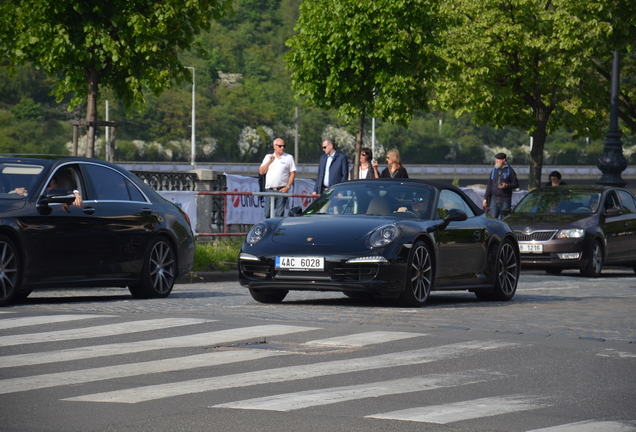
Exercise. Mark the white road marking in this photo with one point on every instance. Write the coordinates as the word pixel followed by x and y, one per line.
pixel 305 399
pixel 591 426
pixel 363 339
pixel 45 319
pixel 196 340
pixel 99 331
pixel 452 412
pixel 127 370
pixel 610 352
pixel 292 373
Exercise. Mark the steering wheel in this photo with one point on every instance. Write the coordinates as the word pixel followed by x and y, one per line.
pixel 582 210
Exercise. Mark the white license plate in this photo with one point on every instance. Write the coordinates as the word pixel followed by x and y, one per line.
pixel 530 248
pixel 300 263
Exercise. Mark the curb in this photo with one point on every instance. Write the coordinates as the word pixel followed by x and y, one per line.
pixel 208 276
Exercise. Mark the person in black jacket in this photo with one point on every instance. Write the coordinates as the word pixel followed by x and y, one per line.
pixel 332 169
pixel 394 168
pixel 555 179
pixel 503 180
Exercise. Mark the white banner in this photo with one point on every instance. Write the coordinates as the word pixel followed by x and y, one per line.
pixel 186 200
pixel 249 209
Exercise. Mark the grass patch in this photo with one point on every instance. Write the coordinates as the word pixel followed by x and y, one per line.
pixel 220 254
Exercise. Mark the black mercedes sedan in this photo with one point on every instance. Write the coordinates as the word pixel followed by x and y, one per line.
pixel 576 227
pixel 393 238
pixel 76 222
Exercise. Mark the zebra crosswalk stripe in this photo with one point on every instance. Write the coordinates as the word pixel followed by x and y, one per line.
pixel 128 370
pixel 364 339
pixel 466 410
pixel 591 426
pixel 195 340
pixel 305 399
pixel 9 323
pixel 293 373
pixel 99 331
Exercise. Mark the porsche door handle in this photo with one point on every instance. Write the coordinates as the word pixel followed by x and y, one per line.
pixel 89 210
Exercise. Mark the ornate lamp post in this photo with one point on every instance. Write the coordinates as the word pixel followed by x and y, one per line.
pixel 612 162
pixel 193 138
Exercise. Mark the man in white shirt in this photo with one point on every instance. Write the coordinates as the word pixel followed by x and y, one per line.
pixel 280 170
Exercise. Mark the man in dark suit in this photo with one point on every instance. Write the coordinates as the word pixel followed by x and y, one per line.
pixel 333 167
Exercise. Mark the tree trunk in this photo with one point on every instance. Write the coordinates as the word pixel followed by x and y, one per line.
pixel 356 162
pixel 538 143
pixel 91 111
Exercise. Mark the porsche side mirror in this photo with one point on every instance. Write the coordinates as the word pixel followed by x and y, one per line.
pixel 453 215
pixel 295 211
pixel 613 212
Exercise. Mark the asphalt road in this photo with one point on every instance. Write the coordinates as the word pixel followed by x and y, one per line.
pixel 560 357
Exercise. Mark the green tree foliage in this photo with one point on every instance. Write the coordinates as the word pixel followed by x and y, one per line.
pixel 360 57
pixel 125 45
pixel 522 62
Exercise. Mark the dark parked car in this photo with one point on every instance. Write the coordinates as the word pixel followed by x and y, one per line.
pixel 393 238
pixel 576 227
pixel 122 235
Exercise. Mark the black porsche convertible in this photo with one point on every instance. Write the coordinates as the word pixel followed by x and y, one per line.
pixel 393 238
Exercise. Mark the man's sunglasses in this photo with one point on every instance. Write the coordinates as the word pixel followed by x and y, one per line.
pixel 420 199
pixel 281 145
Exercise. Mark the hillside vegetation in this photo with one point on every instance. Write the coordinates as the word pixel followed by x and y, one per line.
pixel 244 99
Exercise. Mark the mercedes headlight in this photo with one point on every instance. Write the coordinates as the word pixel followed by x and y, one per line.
pixel 257 233
pixel 570 233
pixel 384 236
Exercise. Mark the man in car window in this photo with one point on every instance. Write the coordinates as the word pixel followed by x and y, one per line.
pixel 78 197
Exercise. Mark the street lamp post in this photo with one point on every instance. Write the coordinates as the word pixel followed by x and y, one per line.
pixel 612 162
pixel 193 137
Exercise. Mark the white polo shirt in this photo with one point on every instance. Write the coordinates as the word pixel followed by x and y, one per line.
pixel 278 172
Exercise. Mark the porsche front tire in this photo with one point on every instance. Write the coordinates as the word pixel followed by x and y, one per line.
pixel 419 276
pixel 268 296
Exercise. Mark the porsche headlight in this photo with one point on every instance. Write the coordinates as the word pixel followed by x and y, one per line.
pixel 384 236
pixel 257 233
pixel 570 233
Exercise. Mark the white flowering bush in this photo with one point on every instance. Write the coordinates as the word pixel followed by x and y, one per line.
pixel 346 142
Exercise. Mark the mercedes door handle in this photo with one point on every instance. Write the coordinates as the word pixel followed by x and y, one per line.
pixel 146 211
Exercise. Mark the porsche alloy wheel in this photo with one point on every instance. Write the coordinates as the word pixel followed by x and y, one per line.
pixel 158 274
pixel 507 269
pixel 419 276
pixel 9 270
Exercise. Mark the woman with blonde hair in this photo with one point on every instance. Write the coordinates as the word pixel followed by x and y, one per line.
pixel 395 168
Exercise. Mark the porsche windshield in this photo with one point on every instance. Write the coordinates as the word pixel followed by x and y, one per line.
pixel 17 180
pixel 564 201
pixel 375 198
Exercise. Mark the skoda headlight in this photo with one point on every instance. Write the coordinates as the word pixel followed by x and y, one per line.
pixel 257 233
pixel 570 233
pixel 384 236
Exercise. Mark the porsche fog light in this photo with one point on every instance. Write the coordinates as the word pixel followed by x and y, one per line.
pixel 384 236
pixel 248 257
pixel 367 259
pixel 257 233
pixel 569 255
pixel 570 233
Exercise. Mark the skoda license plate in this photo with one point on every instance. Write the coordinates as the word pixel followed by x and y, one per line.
pixel 300 263
pixel 530 248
